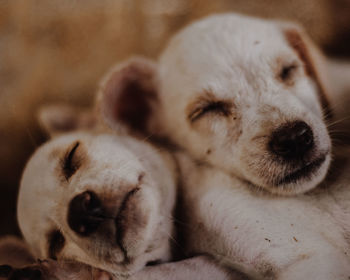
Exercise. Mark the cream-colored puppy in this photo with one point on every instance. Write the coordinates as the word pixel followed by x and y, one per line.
pixel 102 200
pixel 244 97
pixel 97 198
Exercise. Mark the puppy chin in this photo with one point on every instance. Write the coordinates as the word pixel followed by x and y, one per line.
pixel 304 184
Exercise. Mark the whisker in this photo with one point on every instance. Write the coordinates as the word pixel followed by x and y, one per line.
pixel 174 240
pixel 338 121
pixel 172 218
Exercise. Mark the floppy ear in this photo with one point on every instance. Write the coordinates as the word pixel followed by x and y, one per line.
pixel 314 62
pixel 57 119
pixel 128 95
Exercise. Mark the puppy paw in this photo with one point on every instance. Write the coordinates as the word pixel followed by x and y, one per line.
pixel 27 273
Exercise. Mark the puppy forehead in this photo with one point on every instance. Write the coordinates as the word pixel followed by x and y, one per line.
pixel 222 50
pixel 109 153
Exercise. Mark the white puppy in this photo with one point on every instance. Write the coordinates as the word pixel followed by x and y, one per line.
pixel 102 200
pixel 244 97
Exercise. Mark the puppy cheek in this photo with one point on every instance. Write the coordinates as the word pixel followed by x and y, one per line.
pixel 306 91
pixel 256 164
pixel 321 137
pixel 140 221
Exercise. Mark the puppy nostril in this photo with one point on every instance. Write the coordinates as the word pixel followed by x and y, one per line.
pixel 292 140
pixel 85 213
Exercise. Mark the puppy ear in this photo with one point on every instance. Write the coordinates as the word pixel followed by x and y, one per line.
pixel 314 62
pixel 14 252
pixel 128 95
pixel 57 119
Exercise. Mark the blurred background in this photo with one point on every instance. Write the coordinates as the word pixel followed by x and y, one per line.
pixel 57 50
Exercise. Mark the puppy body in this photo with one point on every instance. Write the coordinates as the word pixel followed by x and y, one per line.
pixel 305 237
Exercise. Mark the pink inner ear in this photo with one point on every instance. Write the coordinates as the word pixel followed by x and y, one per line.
pixel 128 98
pixel 133 107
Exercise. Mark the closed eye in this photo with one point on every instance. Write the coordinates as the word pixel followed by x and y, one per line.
pixel 56 243
pixel 70 163
pixel 287 72
pixel 216 107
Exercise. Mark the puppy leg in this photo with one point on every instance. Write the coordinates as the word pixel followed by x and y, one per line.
pixel 196 268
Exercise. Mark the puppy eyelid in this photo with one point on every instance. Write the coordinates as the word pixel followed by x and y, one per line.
pixel 69 164
pixel 287 71
pixel 219 107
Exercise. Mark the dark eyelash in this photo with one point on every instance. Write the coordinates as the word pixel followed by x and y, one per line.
pixel 212 107
pixel 69 165
pixel 56 243
pixel 287 71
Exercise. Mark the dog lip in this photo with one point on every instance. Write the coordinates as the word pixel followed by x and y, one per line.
pixel 303 172
pixel 118 223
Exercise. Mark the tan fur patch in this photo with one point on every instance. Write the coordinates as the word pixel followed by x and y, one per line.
pixel 278 68
pixel 296 41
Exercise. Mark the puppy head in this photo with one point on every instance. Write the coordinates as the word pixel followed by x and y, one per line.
pixel 99 199
pixel 245 95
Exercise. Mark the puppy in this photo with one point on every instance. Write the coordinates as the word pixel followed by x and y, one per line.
pixel 97 198
pixel 246 95
pixel 97 202
pixel 247 99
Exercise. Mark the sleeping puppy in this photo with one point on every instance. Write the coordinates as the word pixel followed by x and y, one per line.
pixel 97 198
pixel 101 204
pixel 246 95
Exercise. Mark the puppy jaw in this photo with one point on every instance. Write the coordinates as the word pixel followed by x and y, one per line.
pixel 45 194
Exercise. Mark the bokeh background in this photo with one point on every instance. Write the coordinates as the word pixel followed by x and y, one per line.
pixel 57 50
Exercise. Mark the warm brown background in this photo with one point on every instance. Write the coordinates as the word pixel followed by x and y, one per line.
pixel 57 50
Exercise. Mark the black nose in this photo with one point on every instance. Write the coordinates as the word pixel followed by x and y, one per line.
pixel 85 213
pixel 292 140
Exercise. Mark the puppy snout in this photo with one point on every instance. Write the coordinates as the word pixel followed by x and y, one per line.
pixel 85 213
pixel 292 140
